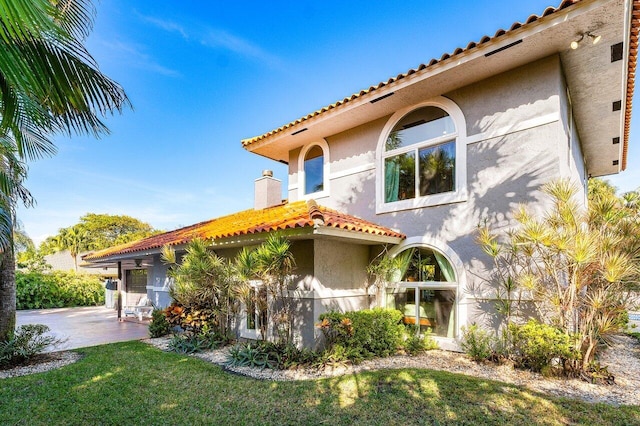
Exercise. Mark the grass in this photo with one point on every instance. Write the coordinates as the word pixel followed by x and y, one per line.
pixel 133 383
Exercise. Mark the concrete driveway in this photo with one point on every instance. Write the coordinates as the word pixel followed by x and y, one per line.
pixel 88 326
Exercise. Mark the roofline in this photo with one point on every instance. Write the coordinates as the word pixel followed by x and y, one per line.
pixel 446 61
pixel 502 38
pixel 257 238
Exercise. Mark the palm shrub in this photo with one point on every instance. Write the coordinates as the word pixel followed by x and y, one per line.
pixel 203 290
pixel 575 270
pixel 272 264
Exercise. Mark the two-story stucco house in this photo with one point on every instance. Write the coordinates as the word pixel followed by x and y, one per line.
pixel 418 161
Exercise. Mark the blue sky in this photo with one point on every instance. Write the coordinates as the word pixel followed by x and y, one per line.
pixel 204 75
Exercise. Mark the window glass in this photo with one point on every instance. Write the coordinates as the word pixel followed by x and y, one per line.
pixel 419 126
pixel 437 168
pixel 399 175
pixel 314 170
pixel 418 136
pixel 425 295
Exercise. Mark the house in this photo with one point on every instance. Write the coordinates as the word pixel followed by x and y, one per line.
pixel 63 261
pixel 416 162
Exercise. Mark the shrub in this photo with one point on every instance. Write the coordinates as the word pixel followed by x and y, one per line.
pixel 541 347
pixel 58 289
pixel 416 343
pixel 189 318
pixel 253 355
pixel 477 343
pixel 191 342
pixel 159 325
pixel 364 334
pixel 28 340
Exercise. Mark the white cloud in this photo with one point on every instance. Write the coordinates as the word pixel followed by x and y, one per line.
pixel 135 57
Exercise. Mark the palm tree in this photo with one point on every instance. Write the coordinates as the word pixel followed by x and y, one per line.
pixel 76 240
pixel 49 84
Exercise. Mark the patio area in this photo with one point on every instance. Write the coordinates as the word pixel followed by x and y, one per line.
pixel 87 326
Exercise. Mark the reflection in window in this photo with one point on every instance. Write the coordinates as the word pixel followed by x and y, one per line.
pixel 314 170
pixel 427 134
pixel 437 168
pixel 427 293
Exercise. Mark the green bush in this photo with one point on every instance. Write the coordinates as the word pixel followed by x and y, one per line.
pixel 541 347
pixel 416 343
pixel 28 340
pixel 58 289
pixel 364 334
pixel 477 343
pixel 159 325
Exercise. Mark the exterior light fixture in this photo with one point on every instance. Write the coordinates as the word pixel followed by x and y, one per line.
pixel 138 262
pixel 595 39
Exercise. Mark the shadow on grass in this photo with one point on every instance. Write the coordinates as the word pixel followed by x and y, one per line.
pixel 133 383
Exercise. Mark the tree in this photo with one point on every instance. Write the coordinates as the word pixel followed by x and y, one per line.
pixel 101 231
pixel 571 264
pixel 49 84
pixel 104 230
pixel 76 240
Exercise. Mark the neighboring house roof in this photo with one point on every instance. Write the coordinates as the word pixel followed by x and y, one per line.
pixel 497 43
pixel 300 214
pixel 62 261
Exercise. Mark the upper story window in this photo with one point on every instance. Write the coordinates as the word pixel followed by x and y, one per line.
pixel 422 158
pixel 314 170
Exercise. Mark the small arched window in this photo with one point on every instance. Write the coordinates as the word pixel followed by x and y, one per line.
pixel 314 170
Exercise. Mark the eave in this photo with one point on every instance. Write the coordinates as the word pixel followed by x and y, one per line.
pixel 587 68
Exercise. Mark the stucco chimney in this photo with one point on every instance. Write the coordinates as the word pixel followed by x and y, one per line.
pixel 268 191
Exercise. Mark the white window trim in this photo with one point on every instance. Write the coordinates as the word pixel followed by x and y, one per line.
pixel 460 194
pixel 244 331
pixel 322 143
pixel 460 283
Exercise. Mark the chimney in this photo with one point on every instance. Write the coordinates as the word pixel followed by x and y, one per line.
pixel 268 191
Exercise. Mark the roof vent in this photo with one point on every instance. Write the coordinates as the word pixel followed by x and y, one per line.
pixel 493 52
pixel 617 52
pixel 267 173
pixel 381 98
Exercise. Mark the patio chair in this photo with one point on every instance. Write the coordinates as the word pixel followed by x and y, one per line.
pixel 141 310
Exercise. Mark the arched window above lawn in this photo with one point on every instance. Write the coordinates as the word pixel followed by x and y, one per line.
pixel 427 291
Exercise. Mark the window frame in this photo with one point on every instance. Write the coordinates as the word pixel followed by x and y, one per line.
pixel 460 283
pixel 245 331
pixel 459 137
pixel 324 146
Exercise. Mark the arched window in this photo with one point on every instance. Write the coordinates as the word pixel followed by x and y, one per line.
pixel 427 291
pixel 314 170
pixel 422 157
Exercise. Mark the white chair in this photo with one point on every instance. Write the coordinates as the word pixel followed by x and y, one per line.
pixel 141 310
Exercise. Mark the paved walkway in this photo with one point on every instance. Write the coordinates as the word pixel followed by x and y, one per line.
pixel 88 326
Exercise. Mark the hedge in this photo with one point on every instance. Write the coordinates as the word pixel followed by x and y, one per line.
pixel 58 289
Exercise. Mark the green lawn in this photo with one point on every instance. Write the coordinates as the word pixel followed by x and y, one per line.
pixel 132 383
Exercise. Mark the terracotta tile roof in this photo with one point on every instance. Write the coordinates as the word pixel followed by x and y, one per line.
pixel 421 67
pixel 299 214
pixel 633 50
pixel 631 77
